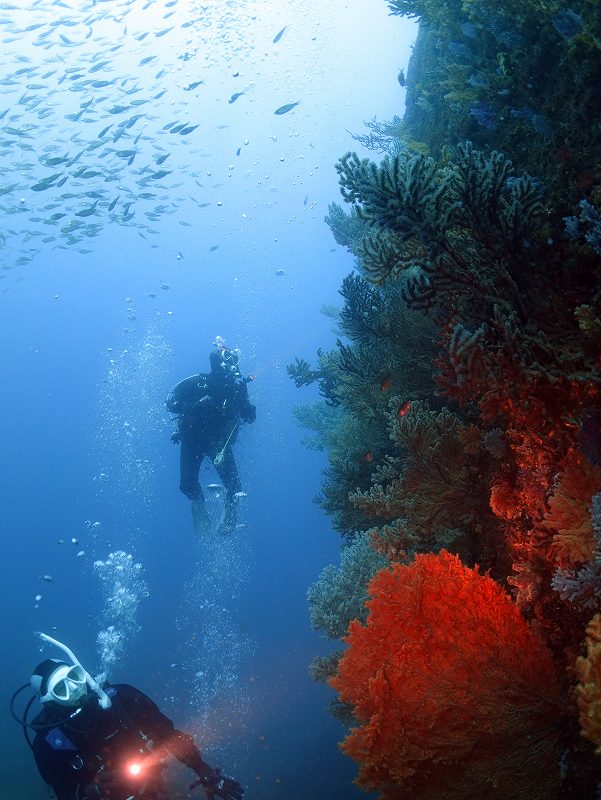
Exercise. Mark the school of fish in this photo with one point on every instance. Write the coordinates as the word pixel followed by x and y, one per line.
pixel 82 144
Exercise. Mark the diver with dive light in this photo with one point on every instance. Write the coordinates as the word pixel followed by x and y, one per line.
pixel 210 408
pixel 107 742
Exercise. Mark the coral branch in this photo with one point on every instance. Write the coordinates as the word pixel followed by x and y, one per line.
pixel 574 541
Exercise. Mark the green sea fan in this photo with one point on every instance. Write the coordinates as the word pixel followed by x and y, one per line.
pixel 339 594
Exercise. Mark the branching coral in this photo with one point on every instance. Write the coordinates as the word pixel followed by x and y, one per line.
pixel 347 229
pixel 340 593
pixel 496 202
pixel 395 541
pixel 582 587
pixel 466 225
pixel 431 9
pixel 383 137
pixel 435 485
pixel 382 256
pixel 574 541
pixel 495 442
pixel 456 698
pixel 321 419
pixel 302 375
pixel 400 341
pixel 352 444
pixel 389 351
pixel 404 195
pixel 589 216
pixel 322 668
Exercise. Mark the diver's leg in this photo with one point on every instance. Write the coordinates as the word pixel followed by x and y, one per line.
pixel 190 458
pixel 228 472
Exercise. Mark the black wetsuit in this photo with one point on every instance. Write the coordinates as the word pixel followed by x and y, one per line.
pixel 69 751
pixel 209 408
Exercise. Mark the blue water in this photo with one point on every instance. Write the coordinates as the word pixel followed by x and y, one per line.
pixel 217 632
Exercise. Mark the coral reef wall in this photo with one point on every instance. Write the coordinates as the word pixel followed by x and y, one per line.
pixel 461 414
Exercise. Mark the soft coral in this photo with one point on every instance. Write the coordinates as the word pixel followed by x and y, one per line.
pixel 455 695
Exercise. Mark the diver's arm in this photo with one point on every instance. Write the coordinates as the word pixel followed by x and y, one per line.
pixel 248 412
pixel 150 719
pixel 164 733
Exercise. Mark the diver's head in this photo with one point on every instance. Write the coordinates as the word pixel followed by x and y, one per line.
pixel 56 681
pixel 224 364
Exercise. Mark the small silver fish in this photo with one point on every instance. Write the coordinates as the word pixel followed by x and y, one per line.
pixel 285 109
pixel 187 130
pixel 87 212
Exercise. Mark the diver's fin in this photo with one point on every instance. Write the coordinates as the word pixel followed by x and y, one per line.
pixel 227 523
pixel 224 530
pixel 200 518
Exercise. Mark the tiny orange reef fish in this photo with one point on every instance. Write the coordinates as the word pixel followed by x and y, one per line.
pixel 404 409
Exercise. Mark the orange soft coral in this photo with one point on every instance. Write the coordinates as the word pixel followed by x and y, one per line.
pixel 569 511
pixel 589 686
pixel 502 500
pixel 455 696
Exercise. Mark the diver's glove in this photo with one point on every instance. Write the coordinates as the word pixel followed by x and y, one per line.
pixel 176 437
pixel 105 785
pixel 217 785
pixel 250 414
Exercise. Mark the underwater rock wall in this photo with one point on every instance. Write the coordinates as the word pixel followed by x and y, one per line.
pixel 465 385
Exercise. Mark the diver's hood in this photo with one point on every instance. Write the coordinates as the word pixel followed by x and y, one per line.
pixel 224 364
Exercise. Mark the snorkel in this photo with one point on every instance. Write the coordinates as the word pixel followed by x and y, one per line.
pixel 103 699
pixel 221 454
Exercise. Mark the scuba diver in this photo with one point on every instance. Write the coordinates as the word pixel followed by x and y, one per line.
pixel 110 742
pixel 210 408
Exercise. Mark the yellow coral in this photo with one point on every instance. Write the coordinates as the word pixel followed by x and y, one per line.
pixel 588 690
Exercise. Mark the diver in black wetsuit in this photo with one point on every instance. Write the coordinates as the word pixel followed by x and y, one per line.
pixel 210 408
pixel 109 742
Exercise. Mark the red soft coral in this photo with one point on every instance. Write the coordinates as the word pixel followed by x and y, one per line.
pixel 455 695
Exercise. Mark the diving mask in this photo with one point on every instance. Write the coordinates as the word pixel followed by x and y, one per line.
pixel 67 685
